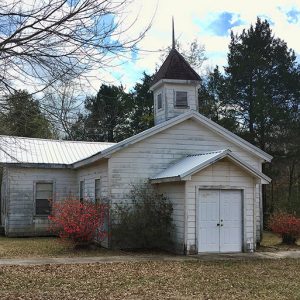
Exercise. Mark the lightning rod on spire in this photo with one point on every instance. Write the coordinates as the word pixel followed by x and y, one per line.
pixel 173 34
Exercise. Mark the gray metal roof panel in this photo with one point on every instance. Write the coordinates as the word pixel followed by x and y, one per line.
pixel 44 151
pixel 187 164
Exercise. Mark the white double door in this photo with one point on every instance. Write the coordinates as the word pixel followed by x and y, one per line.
pixel 220 221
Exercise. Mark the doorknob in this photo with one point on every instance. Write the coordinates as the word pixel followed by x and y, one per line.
pixel 218 224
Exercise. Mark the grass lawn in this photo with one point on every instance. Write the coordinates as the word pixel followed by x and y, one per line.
pixel 52 247
pixel 249 279
pixel 252 279
pixel 44 247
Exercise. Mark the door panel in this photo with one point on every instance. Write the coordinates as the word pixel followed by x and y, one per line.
pixel 223 207
pixel 231 219
pixel 208 240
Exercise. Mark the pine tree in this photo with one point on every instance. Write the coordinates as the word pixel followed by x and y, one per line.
pixel 142 116
pixel 107 114
pixel 21 115
pixel 263 84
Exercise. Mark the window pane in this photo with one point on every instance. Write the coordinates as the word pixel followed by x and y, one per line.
pixel 43 193
pixel 44 190
pixel 81 190
pixel 181 99
pixel 97 190
pixel 42 207
pixel 159 101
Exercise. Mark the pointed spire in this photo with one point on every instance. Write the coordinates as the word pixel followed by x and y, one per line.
pixel 173 34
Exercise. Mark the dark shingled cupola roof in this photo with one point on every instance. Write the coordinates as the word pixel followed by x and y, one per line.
pixel 175 67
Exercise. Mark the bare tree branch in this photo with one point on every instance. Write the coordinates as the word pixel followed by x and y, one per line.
pixel 47 40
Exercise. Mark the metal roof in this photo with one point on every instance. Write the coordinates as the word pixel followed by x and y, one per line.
pixel 45 151
pixel 185 165
pixel 175 67
pixel 193 163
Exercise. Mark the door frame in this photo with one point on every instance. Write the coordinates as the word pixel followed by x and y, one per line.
pixel 221 187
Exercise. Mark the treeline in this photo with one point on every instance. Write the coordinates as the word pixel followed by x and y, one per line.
pixel 256 96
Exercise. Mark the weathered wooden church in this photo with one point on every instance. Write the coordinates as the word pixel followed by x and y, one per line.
pixel 213 177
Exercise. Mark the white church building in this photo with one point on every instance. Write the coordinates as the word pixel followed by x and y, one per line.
pixel 212 177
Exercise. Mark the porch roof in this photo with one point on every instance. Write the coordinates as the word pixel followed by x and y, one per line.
pixel 187 166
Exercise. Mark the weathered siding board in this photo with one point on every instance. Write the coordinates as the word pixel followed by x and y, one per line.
pixel 213 176
pixel 21 219
pixel 175 192
pixel 151 156
pixel 89 175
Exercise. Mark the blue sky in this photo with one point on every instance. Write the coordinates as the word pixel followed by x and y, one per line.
pixel 210 22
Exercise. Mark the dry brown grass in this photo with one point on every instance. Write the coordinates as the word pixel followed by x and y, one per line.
pixel 44 247
pixel 255 279
pixel 272 242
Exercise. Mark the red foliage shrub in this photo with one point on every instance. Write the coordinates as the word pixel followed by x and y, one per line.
pixel 79 222
pixel 287 225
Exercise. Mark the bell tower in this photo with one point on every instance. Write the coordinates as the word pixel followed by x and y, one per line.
pixel 175 86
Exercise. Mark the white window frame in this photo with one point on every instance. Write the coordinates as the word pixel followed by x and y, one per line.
pixel 35 192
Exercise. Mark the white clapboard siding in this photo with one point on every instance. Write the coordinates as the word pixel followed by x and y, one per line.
pixel 226 175
pixel 21 219
pixel 175 192
pixel 151 156
pixel 89 175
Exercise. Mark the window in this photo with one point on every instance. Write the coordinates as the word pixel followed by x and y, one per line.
pixel 159 101
pixel 81 190
pixel 43 196
pixel 181 99
pixel 97 190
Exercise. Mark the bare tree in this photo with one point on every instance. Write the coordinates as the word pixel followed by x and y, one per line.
pixel 45 40
pixel 61 104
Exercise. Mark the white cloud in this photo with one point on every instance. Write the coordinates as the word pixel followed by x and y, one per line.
pixel 190 14
pixel 192 18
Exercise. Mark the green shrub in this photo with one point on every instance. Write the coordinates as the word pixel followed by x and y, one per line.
pixel 144 223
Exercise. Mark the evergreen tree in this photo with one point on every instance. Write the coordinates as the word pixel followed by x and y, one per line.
pixel 142 116
pixel 107 114
pixel 21 116
pixel 263 84
pixel 212 100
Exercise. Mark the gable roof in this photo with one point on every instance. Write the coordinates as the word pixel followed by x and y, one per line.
pixel 175 67
pixel 211 125
pixel 17 150
pixel 22 150
pixel 186 167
